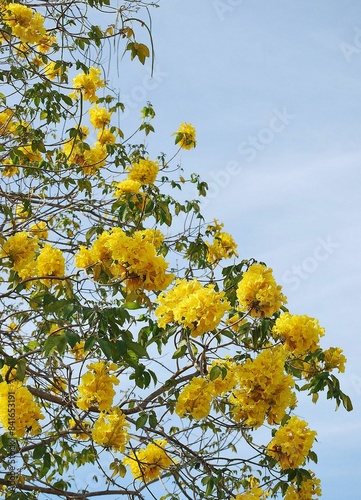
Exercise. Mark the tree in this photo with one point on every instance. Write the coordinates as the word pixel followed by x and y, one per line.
pixel 127 344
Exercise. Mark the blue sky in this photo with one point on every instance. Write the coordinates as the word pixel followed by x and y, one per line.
pixel 273 89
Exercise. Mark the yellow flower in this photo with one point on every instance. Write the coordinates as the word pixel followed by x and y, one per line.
pixel 131 259
pixel 21 213
pixel 334 359
pixel 110 430
pixel 9 169
pixel 78 351
pixel 127 186
pixel 144 171
pixel 258 292
pixel 88 84
pixel 83 426
pixel 54 70
pixel 186 136
pixel 19 413
pixel 40 230
pixel 99 117
pixel 30 156
pixel 235 322
pixel 9 374
pixel 195 399
pixel 55 329
pixel 46 42
pixel 90 159
pixel 21 248
pixel 292 443
pixel 227 378
pixel 223 247
pixel 50 262
pixel 154 236
pixel 6 121
pixel 199 308
pixel 306 490
pixel 105 137
pixel 96 388
pixel 264 389
pixel 300 334
pixel 25 23
pixel 149 463
pixel 252 494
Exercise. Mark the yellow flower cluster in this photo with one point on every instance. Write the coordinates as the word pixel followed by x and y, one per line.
pixel 45 43
pixel 227 379
pixel 21 248
pixel 96 388
pixel 25 23
pixel 8 373
pixel 154 236
pixel 186 136
pixel 40 230
pixel 105 136
pixel 78 351
pixel 19 413
pixel 99 117
pixel 144 171
pixel 83 426
pixel 87 84
pixel 9 169
pixel 110 430
pixel 189 303
pixel 149 463
pixel 223 245
pixel 126 187
pixel 132 259
pixel 258 292
pixel 50 262
pixel 292 443
pixel 7 124
pixel 195 399
pixel 89 159
pixel 252 494
pixel 54 70
pixel 300 334
pixel 307 490
pixel 334 359
pixel 265 389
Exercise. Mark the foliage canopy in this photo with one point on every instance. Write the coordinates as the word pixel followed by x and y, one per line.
pixel 128 346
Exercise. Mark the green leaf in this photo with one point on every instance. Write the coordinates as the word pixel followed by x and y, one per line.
pixel 21 369
pixel 215 373
pixel 132 305
pixel 39 451
pixel 153 421
pixel 89 343
pixel 46 465
pixel 346 401
pixel 180 352
pixel 122 470
pixel 55 343
pixel 138 349
pixel 312 456
pixel 141 421
pixel 107 347
pixel 71 338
